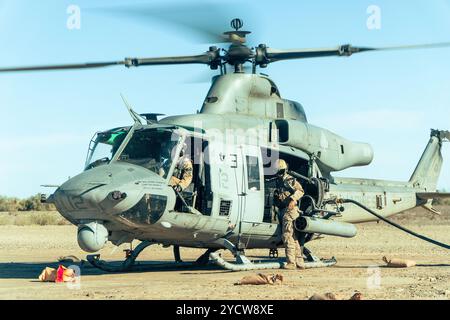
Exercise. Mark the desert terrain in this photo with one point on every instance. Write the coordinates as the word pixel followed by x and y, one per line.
pixel 26 250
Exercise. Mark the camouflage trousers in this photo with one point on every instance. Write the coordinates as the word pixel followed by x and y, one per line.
pixel 294 252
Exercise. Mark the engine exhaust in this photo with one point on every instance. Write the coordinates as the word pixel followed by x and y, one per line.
pixel 323 226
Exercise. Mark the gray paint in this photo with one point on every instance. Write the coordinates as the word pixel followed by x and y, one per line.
pixel 240 102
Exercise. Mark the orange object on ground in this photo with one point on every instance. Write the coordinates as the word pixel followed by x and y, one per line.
pixel 399 263
pixel 62 274
pixel 48 275
pixel 331 296
pixel 261 278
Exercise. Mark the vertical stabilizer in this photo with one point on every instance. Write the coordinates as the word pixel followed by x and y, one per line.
pixel 428 169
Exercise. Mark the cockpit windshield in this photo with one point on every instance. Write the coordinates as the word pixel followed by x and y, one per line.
pixel 154 149
pixel 104 145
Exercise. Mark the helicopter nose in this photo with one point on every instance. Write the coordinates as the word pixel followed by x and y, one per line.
pixel 97 193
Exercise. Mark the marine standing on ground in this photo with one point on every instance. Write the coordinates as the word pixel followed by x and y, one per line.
pixel 287 194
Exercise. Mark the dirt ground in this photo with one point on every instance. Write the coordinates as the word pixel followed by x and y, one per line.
pixel 26 250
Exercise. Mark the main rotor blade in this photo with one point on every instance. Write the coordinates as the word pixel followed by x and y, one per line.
pixel 205 21
pixel 206 58
pixel 272 55
pixel 63 66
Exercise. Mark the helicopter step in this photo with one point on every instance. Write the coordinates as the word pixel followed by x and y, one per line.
pixel 244 264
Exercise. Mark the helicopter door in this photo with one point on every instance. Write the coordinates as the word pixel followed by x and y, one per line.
pixel 253 186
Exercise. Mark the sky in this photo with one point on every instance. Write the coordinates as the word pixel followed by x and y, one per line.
pixel 388 99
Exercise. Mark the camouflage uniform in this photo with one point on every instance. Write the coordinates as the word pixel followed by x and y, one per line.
pixel 182 175
pixel 288 189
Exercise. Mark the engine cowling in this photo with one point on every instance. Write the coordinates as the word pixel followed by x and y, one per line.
pixel 333 153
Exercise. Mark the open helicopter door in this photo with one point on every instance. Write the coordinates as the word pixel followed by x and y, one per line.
pixel 252 187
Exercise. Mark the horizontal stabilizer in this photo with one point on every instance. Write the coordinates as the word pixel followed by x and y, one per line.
pixel 444 135
pixel 432 195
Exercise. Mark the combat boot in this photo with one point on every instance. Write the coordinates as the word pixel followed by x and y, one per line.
pixel 290 266
pixel 301 264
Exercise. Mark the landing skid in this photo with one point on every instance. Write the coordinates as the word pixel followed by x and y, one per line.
pixel 94 259
pixel 244 264
pixel 264 265
pixel 210 256
pixel 130 261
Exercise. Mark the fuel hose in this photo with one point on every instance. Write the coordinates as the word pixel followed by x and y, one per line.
pixel 415 234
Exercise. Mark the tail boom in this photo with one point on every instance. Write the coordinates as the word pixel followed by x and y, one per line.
pixel 390 197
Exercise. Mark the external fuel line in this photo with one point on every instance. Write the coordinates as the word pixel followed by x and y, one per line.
pixel 422 237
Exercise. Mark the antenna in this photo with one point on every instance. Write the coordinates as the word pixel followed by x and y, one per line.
pixel 237 24
pixel 136 117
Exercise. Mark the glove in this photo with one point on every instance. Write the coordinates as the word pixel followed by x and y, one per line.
pixel 292 204
pixel 177 188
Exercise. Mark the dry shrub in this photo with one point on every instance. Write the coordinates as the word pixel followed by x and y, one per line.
pixel 32 203
pixel 443 202
pixel 33 218
pixel 6 219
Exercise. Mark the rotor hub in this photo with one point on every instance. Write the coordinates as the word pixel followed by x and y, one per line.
pixel 236 36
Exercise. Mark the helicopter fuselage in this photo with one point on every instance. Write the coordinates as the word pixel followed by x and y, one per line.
pixel 243 127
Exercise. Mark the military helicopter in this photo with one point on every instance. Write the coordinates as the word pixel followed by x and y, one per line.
pixel 243 127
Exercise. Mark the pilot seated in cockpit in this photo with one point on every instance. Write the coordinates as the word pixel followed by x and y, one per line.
pixel 182 175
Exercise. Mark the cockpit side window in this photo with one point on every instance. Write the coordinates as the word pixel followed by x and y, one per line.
pixel 104 146
pixel 153 149
pixel 253 173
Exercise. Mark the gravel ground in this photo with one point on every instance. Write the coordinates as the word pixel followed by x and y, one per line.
pixel 26 250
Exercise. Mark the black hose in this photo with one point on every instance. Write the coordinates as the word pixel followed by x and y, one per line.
pixel 440 244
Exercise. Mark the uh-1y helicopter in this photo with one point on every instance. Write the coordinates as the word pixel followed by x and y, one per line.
pixel 233 142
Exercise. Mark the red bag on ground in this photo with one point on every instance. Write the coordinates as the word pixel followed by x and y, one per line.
pixel 62 274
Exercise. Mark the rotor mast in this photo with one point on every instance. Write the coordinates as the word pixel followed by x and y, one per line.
pixel 238 53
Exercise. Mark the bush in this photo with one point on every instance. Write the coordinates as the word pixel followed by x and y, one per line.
pixel 33 203
pixel 9 204
pixel 47 218
pixel 29 211
pixel 444 202
pixel 39 218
